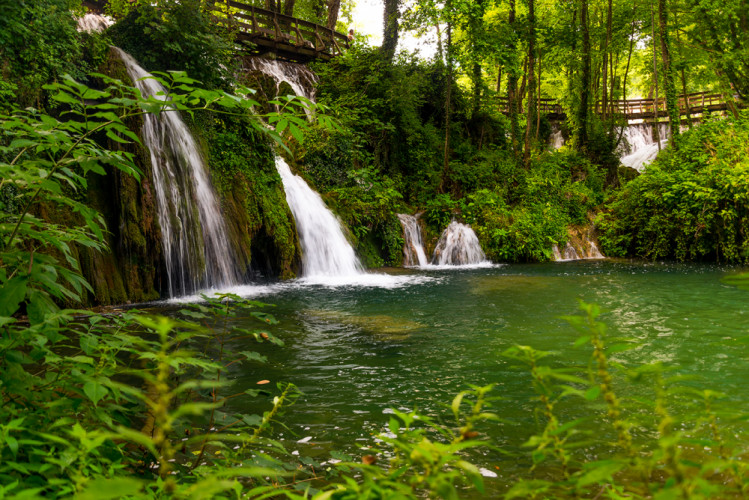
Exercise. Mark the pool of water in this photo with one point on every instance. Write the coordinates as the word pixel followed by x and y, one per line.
pixel 356 351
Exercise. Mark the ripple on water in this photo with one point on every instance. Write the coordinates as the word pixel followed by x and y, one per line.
pixel 355 350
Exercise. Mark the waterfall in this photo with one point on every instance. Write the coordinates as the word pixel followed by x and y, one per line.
pixel 642 146
pixel 298 76
pixel 194 236
pixel 580 246
pixel 413 248
pixel 556 140
pixel 325 250
pixel 458 246
pixel 91 22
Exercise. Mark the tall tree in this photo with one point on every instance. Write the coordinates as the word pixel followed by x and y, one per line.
pixel 672 106
pixel 583 111
pixel 448 95
pixel 531 109
pixel 513 99
pixel 606 52
pixel 288 7
pixel 390 29
pixel 333 7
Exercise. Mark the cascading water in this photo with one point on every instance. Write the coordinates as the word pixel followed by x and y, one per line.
pixel 458 246
pixel 91 23
pixel 413 249
pixel 194 236
pixel 643 148
pixel 581 245
pixel 556 139
pixel 325 250
pixel 298 76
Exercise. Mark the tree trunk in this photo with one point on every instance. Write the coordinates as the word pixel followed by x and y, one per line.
pixel 448 92
pixel 512 91
pixel 390 32
pixel 440 52
pixel 288 8
pixel 523 82
pixel 583 112
pixel 532 104
pixel 656 129
pixel 672 105
pixel 477 84
pixel 538 97
pixel 333 7
pixel 687 110
pixel 607 48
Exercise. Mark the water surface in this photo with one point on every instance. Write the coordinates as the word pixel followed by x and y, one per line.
pixel 355 351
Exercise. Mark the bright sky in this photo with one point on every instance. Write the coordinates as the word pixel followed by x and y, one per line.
pixel 368 19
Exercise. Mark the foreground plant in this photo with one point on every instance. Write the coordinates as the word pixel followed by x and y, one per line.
pixel 685 455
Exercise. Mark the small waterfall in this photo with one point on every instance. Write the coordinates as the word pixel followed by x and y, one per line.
pixel 298 76
pixel 196 247
pixel 569 253
pixel 556 255
pixel 556 140
pixel 325 250
pixel 91 23
pixel 458 246
pixel 413 248
pixel 642 146
pixel 580 246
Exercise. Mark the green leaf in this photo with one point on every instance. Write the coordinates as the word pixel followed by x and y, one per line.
pixel 12 444
pixel 11 295
pixel 253 356
pixel 95 391
pixel 593 392
pixel 105 489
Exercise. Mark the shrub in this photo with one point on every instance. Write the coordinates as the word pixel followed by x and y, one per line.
pixel 691 203
pixel 172 35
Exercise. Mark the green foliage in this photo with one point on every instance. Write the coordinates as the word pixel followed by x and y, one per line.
pixel 684 456
pixel 369 206
pixel 529 210
pixel 177 36
pixel 38 45
pixel 242 166
pixel 690 203
pixel 428 458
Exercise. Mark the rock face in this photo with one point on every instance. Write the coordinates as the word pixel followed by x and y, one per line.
pixel 580 245
pixel 132 269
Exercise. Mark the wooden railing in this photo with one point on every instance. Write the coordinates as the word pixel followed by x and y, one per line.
pixel 633 109
pixel 273 31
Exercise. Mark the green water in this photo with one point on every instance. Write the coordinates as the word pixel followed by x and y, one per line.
pixel 355 351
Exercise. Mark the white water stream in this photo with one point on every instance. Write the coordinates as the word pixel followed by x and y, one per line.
pixel 643 146
pixel 413 248
pixel 458 246
pixel 325 250
pixel 197 251
pixel 91 23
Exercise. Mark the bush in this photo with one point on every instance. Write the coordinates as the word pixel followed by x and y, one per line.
pixel 528 211
pixel 39 43
pixel 691 202
pixel 173 35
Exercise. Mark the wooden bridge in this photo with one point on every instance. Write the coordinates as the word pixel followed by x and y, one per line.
pixel 262 31
pixel 638 109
